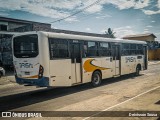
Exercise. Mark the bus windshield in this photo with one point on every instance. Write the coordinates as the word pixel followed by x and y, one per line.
pixel 25 46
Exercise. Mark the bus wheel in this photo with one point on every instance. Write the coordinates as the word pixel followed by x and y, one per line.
pixel 96 79
pixel 137 71
pixel 0 74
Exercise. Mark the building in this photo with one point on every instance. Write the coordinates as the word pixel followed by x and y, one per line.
pixel 16 25
pixel 153 46
pixel 9 27
pixel 144 37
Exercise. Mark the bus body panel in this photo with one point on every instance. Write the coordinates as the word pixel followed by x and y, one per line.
pixel 89 66
pixel 44 54
pixel 102 64
pixel 27 68
pixel 60 72
pixel 129 63
pixel 107 63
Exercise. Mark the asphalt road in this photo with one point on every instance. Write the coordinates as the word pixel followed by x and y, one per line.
pixel 116 94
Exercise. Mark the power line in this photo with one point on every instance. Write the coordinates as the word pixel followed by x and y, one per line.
pixel 77 12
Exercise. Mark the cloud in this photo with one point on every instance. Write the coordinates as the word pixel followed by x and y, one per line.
pixel 151 12
pixel 125 4
pixel 124 31
pixel 95 8
pixel 149 26
pixel 88 29
pixel 146 29
pixel 103 16
pixel 158 33
pixel 158 4
pixel 46 8
pixel 121 31
pixel 3 14
pixel 153 21
pixel 59 9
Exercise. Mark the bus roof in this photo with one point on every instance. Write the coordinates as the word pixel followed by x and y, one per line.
pixel 81 37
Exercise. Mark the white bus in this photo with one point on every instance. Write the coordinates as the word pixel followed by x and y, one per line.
pixel 56 59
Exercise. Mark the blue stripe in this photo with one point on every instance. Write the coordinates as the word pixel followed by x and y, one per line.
pixel 43 82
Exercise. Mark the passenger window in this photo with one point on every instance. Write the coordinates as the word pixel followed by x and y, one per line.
pixel 133 50
pixel 140 49
pixel 58 48
pixel 125 49
pixel 85 49
pixel 92 49
pixel 104 49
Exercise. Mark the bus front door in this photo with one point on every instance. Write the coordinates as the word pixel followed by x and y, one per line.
pixel 76 60
pixel 116 59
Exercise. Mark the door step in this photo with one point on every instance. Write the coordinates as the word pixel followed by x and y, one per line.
pixel 76 83
pixel 116 75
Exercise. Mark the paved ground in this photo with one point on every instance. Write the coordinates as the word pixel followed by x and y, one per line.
pixel 118 94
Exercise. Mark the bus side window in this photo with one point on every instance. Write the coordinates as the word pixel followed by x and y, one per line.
pixel 58 48
pixel 133 50
pixel 104 49
pixel 125 49
pixel 92 49
pixel 139 49
pixel 85 49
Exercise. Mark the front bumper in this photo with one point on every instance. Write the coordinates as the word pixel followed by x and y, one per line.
pixel 43 82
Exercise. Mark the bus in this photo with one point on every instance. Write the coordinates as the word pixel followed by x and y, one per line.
pixel 48 59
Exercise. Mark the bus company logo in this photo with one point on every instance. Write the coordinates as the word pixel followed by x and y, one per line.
pixel 130 59
pixel 26 65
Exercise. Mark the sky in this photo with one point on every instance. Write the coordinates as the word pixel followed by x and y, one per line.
pixel 124 17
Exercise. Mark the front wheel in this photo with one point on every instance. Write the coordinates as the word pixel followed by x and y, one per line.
pixel 96 79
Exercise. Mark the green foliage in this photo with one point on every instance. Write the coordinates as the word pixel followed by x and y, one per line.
pixel 110 33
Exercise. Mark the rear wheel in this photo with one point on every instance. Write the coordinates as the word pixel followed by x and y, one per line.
pixel 96 79
pixel 1 74
pixel 137 71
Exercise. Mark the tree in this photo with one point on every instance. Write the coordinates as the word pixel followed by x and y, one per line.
pixel 110 33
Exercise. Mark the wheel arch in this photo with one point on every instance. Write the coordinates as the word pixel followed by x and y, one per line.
pixel 139 66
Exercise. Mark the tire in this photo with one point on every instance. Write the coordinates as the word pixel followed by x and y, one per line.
pixel 1 74
pixel 137 71
pixel 96 79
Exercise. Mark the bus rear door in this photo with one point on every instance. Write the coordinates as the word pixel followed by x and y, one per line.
pixel 76 60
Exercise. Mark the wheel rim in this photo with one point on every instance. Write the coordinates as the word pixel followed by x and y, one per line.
pixel 96 79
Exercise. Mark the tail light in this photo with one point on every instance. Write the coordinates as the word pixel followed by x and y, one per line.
pixel 41 70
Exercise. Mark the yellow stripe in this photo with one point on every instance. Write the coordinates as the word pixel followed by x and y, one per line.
pixel 89 67
pixel 35 76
